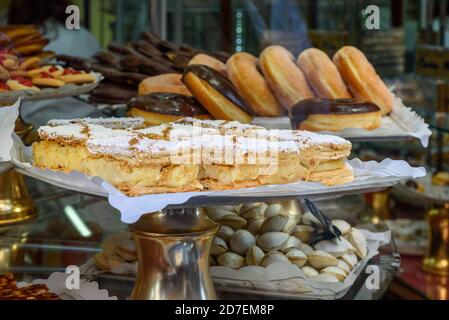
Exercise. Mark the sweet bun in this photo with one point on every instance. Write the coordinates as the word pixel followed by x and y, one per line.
pixel 322 75
pixel 209 61
pixel 244 73
pixel 216 94
pixel 362 79
pixel 169 83
pixel 285 78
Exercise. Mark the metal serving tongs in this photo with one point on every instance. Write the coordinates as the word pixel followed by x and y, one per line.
pixel 329 231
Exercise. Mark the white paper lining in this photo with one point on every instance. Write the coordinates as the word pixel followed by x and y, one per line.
pixel 8 117
pixel 56 283
pixel 402 122
pixel 371 175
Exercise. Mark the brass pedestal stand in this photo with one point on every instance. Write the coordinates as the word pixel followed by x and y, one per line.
pixel 173 249
pixel 16 205
pixel 436 260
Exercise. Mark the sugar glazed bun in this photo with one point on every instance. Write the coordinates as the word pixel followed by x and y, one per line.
pixel 209 61
pixel 164 83
pixel 322 75
pixel 362 79
pixel 244 73
pixel 285 79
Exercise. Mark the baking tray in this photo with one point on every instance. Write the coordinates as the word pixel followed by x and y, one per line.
pixel 68 90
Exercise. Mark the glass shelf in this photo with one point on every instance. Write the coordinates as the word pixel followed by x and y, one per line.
pixel 55 239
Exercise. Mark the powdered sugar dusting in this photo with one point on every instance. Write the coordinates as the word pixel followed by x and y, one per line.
pixel 116 137
pixel 113 123
pixel 69 131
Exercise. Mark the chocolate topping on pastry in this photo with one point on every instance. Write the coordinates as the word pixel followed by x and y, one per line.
pixel 304 108
pixel 108 58
pixel 168 103
pixel 111 93
pixel 219 83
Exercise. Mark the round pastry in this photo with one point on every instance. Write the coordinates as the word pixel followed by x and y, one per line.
pixel 77 77
pixel 30 63
pixel 158 108
pixel 285 79
pixel 335 115
pixel 362 79
pixel 20 83
pixel 322 75
pixel 47 80
pixel 170 83
pixel 242 69
pixel 209 61
pixel 216 93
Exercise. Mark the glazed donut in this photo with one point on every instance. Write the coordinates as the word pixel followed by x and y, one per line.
pixel 216 93
pixel 362 79
pixel 209 61
pixel 322 75
pixel 242 70
pixel 169 83
pixel 285 79
pixel 19 83
pixel 335 115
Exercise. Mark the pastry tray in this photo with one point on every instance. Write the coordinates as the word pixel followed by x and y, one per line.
pixel 68 90
pixel 370 177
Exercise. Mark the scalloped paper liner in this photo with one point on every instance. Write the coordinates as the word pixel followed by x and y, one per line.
pixel 88 290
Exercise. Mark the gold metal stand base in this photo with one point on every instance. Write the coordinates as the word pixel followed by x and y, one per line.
pixel 173 249
pixel 16 205
pixel 436 260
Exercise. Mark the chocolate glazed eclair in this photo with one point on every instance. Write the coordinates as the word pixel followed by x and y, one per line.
pixel 335 115
pixel 158 108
